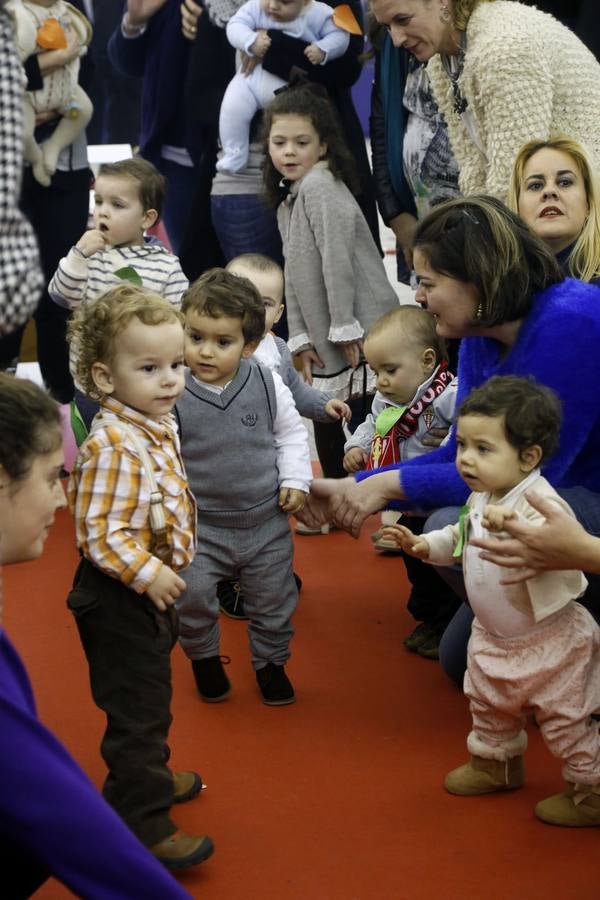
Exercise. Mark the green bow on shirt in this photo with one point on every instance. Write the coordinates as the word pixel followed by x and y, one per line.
pixel 387 418
pixel 128 273
pixel 462 532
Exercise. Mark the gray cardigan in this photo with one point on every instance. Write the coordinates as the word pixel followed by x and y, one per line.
pixel 335 282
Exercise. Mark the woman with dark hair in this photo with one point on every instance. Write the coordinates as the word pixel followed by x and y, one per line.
pixel 487 279
pixel 53 821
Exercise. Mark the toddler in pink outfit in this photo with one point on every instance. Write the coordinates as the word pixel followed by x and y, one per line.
pixel 532 647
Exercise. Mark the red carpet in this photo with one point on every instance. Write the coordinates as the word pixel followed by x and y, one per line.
pixel 338 797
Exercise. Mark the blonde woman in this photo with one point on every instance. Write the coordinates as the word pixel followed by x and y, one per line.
pixel 554 189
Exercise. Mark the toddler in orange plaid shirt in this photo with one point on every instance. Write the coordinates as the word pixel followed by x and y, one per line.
pixel 135 526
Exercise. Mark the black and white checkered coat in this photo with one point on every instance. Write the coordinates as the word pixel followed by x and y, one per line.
pixel 21 278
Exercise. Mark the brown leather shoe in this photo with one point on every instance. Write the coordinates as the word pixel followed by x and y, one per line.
pixel 179 850
pixel 187 785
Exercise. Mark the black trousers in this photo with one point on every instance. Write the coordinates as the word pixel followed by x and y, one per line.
pixel 128 644
pixel 59 216
pixel 431 600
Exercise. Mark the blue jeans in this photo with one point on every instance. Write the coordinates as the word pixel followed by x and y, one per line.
pixel 181 185
pixel 453 646
pixel 245 224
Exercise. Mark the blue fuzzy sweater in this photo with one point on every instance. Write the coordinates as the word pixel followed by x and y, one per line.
pixel 558 345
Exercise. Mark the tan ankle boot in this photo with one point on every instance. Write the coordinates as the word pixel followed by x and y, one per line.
pixel 484 776
pixel 578 807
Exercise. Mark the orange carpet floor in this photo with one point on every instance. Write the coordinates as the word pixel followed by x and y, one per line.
pixel 339 796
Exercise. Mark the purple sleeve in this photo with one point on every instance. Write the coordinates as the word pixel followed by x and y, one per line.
pixel 52 811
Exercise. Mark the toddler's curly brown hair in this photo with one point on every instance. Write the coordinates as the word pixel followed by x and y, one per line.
pixel 94 328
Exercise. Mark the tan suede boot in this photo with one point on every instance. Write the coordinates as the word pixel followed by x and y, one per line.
pixel 484 776
pixel 578 807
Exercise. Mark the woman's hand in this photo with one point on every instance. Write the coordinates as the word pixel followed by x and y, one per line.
pixel 352 351
pixel 348 502
pixel 404 227
pixel 559 543
pixel 190 13
pixel 308 358
pixel 248 63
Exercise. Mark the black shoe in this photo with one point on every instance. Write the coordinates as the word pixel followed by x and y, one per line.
pixel 430 649
pixel 211 680
pixel 275 687
pixel 231 599
pixel 419 636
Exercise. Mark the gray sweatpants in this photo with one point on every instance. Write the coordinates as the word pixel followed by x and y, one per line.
pixel 260 558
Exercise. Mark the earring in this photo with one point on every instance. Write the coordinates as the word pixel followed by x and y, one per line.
pixel 445 15
pixel 479 312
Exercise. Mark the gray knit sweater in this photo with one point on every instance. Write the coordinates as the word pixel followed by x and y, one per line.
pixel 335 282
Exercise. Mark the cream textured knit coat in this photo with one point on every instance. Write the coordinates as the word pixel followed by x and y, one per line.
pixel 525 76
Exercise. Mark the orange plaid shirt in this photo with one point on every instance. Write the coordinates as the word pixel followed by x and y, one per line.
pixel 109 496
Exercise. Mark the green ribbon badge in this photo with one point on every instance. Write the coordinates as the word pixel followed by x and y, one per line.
pixel 387 418
pixel 462 532
pixel 128 273
pixel 78 426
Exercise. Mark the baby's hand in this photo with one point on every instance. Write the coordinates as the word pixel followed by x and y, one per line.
pixel 314 54
pixel 166 588
pixel 91 242
pixel 494 517
pixel 337 409
pixel 261 43
pixel 291 500
pixel 355 460
pixel 413 544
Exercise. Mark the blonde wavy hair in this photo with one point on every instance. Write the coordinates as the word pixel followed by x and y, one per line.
pixel 461 11
pixel 94 328
pixel 584 259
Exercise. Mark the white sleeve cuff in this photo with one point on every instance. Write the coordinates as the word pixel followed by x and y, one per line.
pixel 300 342
pixel 345 333
pixel 130 32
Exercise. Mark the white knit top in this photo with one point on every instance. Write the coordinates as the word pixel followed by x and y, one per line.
pixel 525 76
